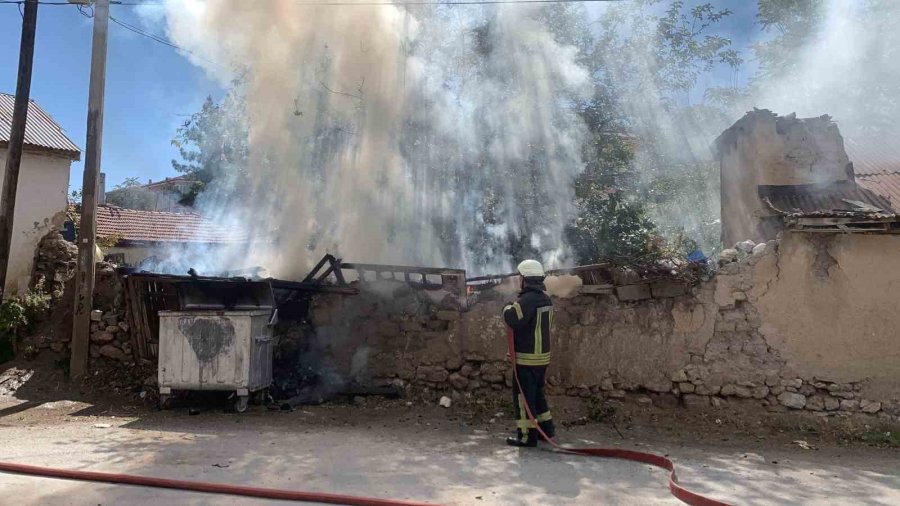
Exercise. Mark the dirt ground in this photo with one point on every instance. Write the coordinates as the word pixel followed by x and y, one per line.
pixel 414 449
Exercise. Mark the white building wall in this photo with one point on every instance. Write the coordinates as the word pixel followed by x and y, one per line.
pixel 41 202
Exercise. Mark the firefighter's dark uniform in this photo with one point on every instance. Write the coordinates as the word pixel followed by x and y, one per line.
pixel 530 318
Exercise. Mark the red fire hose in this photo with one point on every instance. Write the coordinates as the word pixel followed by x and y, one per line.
pixel 677 490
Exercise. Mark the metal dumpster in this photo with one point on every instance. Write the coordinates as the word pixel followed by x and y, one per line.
pixel 216 344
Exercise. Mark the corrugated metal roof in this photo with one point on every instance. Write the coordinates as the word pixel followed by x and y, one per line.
pixel 41 131
pixel 157 226
pixel 836 199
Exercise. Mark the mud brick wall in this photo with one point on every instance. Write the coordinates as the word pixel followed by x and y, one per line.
pixel 694 346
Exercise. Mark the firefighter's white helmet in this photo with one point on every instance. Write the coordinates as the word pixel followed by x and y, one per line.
pixel 531 268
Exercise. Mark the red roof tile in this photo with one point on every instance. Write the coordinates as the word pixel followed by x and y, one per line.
pixel 877 166
pixel 156 226
pixel 886 184
pixel 41 131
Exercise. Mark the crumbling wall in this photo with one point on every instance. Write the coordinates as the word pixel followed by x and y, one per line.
pixel 763 148
pixel 750 334
pixel 55 265
pixel 831 308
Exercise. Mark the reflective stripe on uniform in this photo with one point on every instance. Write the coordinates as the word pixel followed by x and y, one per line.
pixel 544 417
pixel 533 359
pixel 518 308
pixel 523 422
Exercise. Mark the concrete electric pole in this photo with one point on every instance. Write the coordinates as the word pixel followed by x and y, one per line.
pixel 87 230
pixel 16 138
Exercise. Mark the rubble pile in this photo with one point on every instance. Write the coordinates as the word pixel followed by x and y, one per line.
pixel 56 264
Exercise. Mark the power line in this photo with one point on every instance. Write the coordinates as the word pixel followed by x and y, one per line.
pixel 157 38
pixel 414 2
pixel 20 2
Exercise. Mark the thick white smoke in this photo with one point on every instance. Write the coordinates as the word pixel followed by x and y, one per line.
pixel 380 133
pixel 849 69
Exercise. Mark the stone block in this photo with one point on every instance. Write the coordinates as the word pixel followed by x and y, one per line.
pixel 432 373
pixel 628 293
pixel 112 352
pixel 113 329
pixel 832 404
pixel 686 388
pixel 792 400
pixel 708 390
pixel 815 403
pixel 96 315
pixel 849 405
pixel 760 392
pixel 870 407
pixel 102 337
pixel 680 376
pixel 458 381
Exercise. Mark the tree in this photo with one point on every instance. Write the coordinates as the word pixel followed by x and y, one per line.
pixel 212 144
pixel 648 166
pixel 130 194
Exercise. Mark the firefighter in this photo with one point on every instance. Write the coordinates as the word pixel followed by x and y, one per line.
pixel 530 318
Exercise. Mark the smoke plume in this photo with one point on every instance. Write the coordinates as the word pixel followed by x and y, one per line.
pixel 434 136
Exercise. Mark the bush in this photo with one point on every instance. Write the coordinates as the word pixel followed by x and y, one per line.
pixel 20 315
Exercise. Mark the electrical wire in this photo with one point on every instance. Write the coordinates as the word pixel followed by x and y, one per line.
pixel 348 3
pixel 157 38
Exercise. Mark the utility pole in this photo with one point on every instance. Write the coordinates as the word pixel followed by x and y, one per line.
pixel 87 230
pixel 16 138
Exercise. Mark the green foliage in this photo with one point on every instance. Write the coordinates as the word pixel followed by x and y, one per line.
pixel 611 222
pixel 794 23
pixel 131 194
pixel 19 315
pixel 212 144
pixel 648 167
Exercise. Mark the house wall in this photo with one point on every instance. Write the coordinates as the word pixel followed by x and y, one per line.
pixel 832 308
pixel 40 206
pixel 764 149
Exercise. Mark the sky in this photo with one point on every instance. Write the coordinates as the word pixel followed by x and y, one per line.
pixel 151 89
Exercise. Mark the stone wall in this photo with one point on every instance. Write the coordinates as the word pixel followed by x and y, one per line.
pixel 56 264
pixel 697 346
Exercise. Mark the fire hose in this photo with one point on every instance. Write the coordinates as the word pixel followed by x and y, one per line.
pixel 685 495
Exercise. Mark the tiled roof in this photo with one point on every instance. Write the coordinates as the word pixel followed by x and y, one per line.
pixel 837 199
pixel 886 184
pixel 156 226
pixel 877 166
pixel 870 156
pixel 41 132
